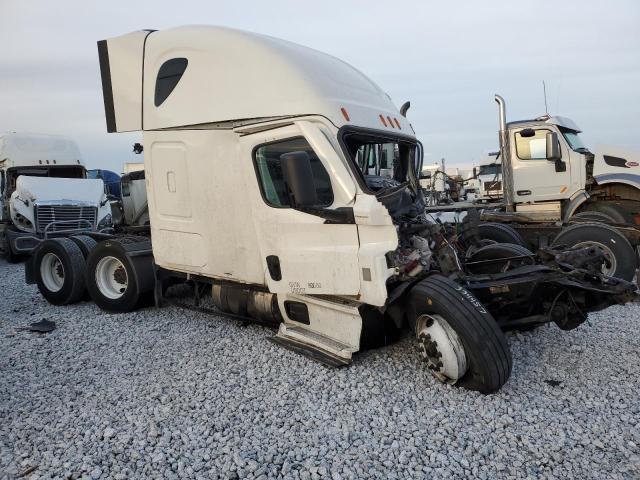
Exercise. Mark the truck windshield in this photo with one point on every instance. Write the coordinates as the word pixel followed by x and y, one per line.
pixel 573 139
pixel 58 171
pixel 491 169
pixel 384 163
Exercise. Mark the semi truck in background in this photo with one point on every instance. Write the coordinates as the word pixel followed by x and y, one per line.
pixel 270 190
pixel 489 177
pixel 551 190
pixel 567 178
pixel 557 192
pixel 44 192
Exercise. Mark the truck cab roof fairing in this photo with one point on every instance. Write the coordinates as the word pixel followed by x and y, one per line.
pixel 236 75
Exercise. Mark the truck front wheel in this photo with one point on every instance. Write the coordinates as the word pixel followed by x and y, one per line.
pixel 59 270
pixel 460 341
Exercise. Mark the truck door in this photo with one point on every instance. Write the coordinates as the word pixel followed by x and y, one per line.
pixel 302 252
pixel 535 178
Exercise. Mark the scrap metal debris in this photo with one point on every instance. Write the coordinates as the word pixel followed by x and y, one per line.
pixel 43 326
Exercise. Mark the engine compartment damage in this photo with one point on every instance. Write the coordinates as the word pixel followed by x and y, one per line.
pixel 518 287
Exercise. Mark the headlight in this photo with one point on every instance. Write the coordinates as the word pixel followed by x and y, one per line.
pixel 22 220
pixel 105 222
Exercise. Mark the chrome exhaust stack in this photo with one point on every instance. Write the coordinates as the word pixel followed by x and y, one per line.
pixel 507 167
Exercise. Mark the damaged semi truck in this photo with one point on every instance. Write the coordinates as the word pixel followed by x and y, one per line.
pixel 259 192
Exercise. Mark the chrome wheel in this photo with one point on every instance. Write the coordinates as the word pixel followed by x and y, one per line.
pixel 441 347
pixel 111 277
pixel 608 255
pixel 52 272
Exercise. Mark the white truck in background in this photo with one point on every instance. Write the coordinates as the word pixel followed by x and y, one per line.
pixel 489 178
pixel 554 175
pixel 44 192
pixel 268 186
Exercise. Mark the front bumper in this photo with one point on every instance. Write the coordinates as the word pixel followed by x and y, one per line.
pixel 23 242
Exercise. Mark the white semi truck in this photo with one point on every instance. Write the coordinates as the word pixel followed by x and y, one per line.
pixel 260 191
pixel 44 192
pixel 552 171
pixel 557 192
pixel 489 177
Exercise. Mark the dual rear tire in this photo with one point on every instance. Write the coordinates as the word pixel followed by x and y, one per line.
pixel 66 268
pixel 60 271
pixel 112 280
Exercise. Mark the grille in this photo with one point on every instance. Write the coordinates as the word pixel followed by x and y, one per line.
pixel 71 216
pixel 494 185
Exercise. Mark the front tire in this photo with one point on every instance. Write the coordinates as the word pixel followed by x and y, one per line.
pixel 460 340
pixel 60 271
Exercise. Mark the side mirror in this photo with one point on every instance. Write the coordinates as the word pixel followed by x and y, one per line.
pixel 475 172
pixel 297 172
pixel 553 147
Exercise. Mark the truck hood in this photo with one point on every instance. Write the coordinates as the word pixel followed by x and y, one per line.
pixel 59 190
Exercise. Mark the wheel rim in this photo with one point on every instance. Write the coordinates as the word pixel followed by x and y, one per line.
pixel 52 272
pixel 111 277
pixel 608 254
pixel 441 348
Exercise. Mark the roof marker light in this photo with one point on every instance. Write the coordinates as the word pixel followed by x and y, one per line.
pixel 345 114
pixel 384 122
pixel 397 123
pixel 390 122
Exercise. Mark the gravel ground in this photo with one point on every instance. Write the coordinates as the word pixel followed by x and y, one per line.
pixel 179 394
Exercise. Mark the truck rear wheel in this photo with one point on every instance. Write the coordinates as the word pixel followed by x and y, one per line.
pixel 113 281
pixel 85 243
pixel 60 271
pixel 499 233
pixel 593 216
pixel 618 213
pixel 616 248
pixel 459 339
pixel 497 252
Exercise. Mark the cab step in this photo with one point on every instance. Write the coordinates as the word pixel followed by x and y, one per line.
pixel 313 345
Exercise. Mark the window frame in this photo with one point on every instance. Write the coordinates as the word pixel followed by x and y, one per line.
pixel 394 137
pixel 536 130
pixel 254 160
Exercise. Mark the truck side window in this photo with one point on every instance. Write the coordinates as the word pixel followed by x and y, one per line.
pixel 532 148
pixel 168 77
pixel 272 185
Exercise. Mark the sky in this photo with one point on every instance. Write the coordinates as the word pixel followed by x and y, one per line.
pixel 447 58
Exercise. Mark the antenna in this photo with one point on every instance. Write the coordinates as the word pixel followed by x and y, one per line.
pixel 544 89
